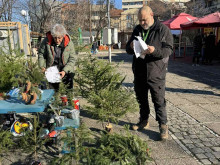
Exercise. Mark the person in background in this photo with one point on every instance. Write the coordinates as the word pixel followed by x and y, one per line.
pixel 94 48
pixel 210 46
pixel 203 48
pixel 119 44
pixel 34 52
pixel 197 49
pixel 57 49
pixel 150 70
pixel 218 48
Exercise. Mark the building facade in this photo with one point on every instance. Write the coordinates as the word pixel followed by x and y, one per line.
pixel 124 21
pixel 136 4
pixel 98 16
pixel 176 1
pixel 115 16
pixel 133 4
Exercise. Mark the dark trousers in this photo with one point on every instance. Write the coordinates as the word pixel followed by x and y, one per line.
pixel 210 54
pixel 196 59
pixel 67 80
pixel 158 98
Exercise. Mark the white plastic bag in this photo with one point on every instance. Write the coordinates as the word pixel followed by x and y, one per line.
pixel 52 75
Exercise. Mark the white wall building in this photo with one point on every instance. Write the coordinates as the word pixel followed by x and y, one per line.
pixel 176 1
pixel 132 4
pixel 136 4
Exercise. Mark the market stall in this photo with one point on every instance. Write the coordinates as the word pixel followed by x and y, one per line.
pixel 210 20
pixel 174 24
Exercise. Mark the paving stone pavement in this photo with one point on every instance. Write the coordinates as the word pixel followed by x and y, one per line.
pixel 193 108
pixel 199 140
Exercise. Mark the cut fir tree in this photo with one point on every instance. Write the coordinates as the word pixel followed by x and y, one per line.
pixel 101 84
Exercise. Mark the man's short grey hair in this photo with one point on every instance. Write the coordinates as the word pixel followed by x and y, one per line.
pixel 58 30
pixel 146 8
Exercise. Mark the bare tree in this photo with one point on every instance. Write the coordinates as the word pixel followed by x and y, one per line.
pixel 131 20
pixel 85 14
pixel 43 13
pixel 161 9
pixel 99 13
pixel 73 14
pixel 76 15
pixel 6 8
pixel 197 8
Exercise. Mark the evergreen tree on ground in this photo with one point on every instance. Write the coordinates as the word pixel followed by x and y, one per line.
pixel 6 142
pixel 12 63
pixel 118 149
pixel 94 75
pixel 92 148
pixel 76 142
pixel 109 105
pixel 101 84
pixel 32 142
pixel 16 69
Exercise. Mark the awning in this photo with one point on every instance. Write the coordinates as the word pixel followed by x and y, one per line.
pixel 211 20
pixel 174 22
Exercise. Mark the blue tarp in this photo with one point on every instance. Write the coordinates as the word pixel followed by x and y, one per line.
pixel 16 105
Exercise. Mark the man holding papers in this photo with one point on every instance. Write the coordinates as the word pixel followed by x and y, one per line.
pixel 151 44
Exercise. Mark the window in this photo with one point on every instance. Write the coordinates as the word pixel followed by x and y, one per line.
pixel 128 17
pixel 128 25
pixel 116 25
pixel 209 3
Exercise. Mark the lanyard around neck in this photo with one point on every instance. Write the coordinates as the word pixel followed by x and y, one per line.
pixel 145 35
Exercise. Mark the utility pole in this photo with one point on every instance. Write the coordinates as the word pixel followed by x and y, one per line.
pixel 90 21
pixel 109 27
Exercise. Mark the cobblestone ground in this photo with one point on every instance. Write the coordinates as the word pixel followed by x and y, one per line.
pixel 191 129
pixel 192 98
pixel 194 137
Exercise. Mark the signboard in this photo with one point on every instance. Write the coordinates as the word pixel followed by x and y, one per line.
pixel 218 34
pixel 110 36
pixel 107 39
pixel 115 36
pixel 208 30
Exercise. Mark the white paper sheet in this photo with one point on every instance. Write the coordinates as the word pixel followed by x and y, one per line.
pixel 52 75
pixel 139 47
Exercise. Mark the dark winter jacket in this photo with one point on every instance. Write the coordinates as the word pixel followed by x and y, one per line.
pixel 197 43
pixel 94 46
pixel 46 54
pixel 210 41
pixel 153 67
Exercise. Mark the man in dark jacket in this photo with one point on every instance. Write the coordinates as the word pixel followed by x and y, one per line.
pixel 150 71
pixel 210 46
pixel 58 50
pixel 197 48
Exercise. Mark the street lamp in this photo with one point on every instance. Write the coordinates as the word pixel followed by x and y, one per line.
pixel 25 14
